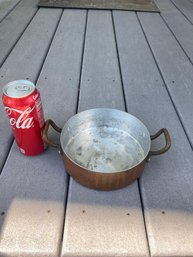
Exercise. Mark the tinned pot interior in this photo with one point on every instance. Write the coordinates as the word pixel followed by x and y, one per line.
pixel 105 140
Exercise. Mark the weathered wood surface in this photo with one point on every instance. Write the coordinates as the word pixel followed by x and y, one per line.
pixel 37 199
pixel 13 26
pixel 6 6
pixel 25 62
pixel 135 5
pixel 102 223
pixel 75 63
pixel 32 209
pixel 61 71
pixel 186 7
pixel 166 184
pixel 32 189
pixel 179 25
pixel 176 69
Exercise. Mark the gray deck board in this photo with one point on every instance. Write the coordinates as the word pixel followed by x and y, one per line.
pixel 13 26
pixel 96 222
pixel 180 26
pixel 25 61
pixel 6 7
pixel 42 212
pixel 137 5
pixel 61 71
pixel 40 183
pixel 33 205
pixel 162 186
pixel 100 74
pixel 186 7
pixel 33 208
pixel 174 65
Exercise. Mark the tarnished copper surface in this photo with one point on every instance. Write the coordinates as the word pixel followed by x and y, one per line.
pixel 105 149
pixel 102 181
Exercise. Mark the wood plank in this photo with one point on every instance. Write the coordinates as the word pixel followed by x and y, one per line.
pixel 180 26
pixel 35 188
pixel 167 182
pixel 32 205
pixel 13 240
pixel 174 65
pixel 98 223
pixel 135 5
pixel 186 7
pixel 61 70
pixel 100 80
pixel 12 27
pixel 24 62
pixel 6 6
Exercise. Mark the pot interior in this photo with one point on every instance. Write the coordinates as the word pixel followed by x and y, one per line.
pixel 105 140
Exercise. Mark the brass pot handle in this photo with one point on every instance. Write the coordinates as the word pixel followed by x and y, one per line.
pixel 167 139
pixel 45 133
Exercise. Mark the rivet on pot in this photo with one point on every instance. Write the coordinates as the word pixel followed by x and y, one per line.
pixel 60 152
pixel 148 159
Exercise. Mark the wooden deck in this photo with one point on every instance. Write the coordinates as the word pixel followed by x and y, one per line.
pixel 141 63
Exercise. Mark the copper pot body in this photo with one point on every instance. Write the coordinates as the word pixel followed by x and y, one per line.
pixel 100 180
pixel 105 149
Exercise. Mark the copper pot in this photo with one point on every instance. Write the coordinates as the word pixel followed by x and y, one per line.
pixel 105 149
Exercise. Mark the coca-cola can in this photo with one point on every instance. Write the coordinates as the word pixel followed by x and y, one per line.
pixel 24 108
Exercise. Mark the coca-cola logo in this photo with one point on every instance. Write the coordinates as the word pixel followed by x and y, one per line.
pixel 23 121
pixel 35 96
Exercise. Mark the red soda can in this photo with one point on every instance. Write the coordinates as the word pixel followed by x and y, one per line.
pixel 24 108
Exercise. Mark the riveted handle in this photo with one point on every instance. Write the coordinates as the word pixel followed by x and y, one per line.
pixel 167 144
pixel 45 133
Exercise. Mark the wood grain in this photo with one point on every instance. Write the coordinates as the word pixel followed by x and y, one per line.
pixel 102 223
pixel 136 5
pixel 167 182
pixel 32 192
pixel 6 7
pixel 13 26
pixel 174 65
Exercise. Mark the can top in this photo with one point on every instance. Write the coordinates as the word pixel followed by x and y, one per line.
pixel 19 88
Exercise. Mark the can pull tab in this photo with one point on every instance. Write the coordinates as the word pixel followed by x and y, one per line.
pixel 22 88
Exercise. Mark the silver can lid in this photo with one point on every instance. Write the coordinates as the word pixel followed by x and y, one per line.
pixel 19 88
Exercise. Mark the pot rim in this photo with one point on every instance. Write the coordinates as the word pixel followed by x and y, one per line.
pixel 66 127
